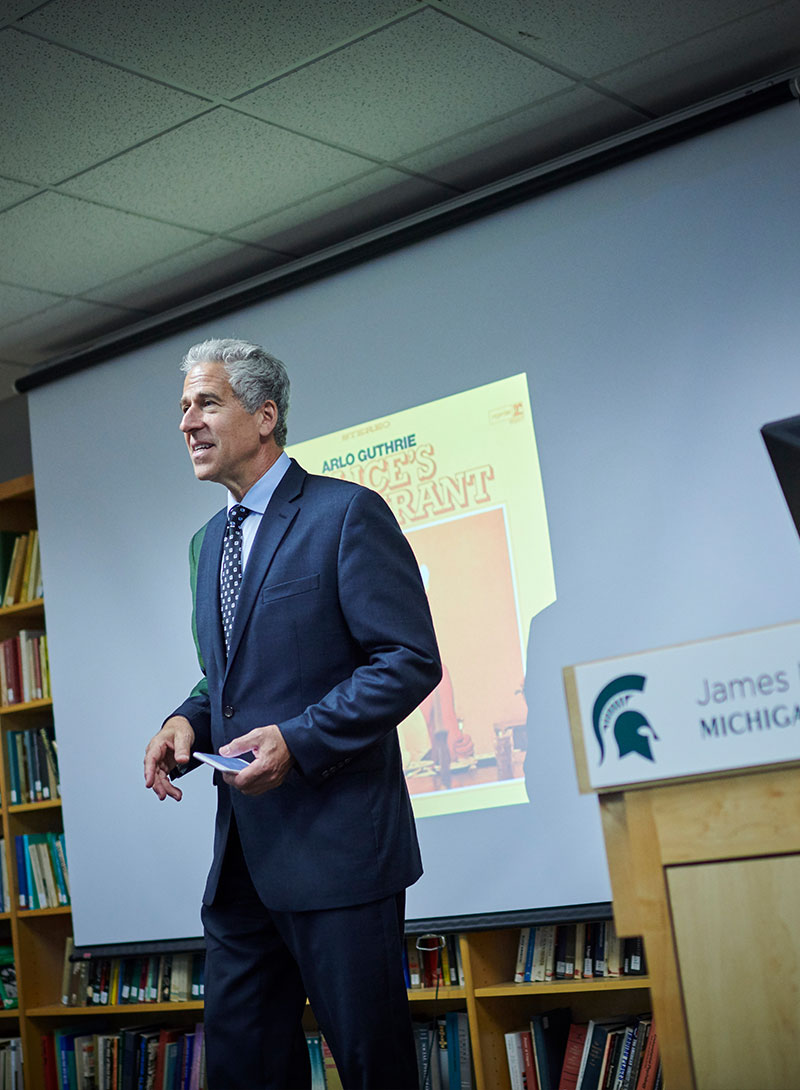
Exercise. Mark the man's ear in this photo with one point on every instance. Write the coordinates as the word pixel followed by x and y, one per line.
pixel 268 418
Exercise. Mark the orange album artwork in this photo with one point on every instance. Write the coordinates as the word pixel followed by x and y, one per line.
pixel 459 736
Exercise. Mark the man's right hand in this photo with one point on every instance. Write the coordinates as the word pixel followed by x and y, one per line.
pixel 172 746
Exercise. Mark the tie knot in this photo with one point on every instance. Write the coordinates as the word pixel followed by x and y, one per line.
pixel 237 515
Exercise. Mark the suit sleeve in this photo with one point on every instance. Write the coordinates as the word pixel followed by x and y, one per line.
pixel 386 610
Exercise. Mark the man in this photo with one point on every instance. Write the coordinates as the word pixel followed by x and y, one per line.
pixel 329 646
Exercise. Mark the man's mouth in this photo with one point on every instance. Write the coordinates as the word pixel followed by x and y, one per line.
pixel 198 448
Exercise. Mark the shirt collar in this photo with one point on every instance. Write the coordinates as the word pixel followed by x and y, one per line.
pixel 258 496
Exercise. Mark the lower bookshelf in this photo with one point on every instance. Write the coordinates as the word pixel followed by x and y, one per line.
pixel 495 1005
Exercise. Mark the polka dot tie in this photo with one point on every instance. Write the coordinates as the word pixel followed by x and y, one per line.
pixel 231 575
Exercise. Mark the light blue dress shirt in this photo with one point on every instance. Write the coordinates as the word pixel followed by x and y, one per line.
pixel 256 500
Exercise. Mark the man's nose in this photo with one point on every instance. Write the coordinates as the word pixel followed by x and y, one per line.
pixel 189 420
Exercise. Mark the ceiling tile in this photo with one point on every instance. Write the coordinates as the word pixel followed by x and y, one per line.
pixel 17 303
pixel 69 111
pixel 60 244
pixel 368 202
pixel 188 275
pixel 217 172
pixel 526 139
pixel 11 192
pixel 13 9
pixel 416 82
pixel 219 48
pixel 59 329
pixel 591 36
pixel 719 61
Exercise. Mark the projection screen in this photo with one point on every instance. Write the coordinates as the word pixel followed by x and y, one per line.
pixel 643 323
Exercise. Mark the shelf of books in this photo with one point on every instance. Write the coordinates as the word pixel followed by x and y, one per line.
pixel 34 890
pixel 484 1003
pixel 535 990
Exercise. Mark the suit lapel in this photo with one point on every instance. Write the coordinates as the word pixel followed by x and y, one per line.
pixel 278 517
pixel 209 622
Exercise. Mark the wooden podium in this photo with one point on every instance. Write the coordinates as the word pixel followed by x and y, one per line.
pixel 706 866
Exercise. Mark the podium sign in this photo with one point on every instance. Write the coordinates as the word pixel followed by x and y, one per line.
pixel 694 709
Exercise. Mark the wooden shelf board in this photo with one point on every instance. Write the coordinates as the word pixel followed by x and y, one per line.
pixel 33 605
pixel 627 983
pixel 12 1012
pixel 431 993
pixel 58 1010
pixel 28 807
pixel 18 488
pixel 28 706
pixel 33 913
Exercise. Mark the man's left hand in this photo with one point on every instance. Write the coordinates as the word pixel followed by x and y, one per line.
pixel 269 768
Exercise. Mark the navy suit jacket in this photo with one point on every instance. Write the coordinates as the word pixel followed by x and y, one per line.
pixel 332 641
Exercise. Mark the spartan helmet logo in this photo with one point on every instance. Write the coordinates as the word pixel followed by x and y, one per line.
pixel 630 728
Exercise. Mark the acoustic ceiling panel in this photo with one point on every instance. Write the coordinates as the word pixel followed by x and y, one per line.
pixel 727 57
pixel 351 208
pixel 186 275
pixel 595 36
pixel 218 48
pixel 524 138
pixel 70 110
pixel 59 244
pixel 216 172
pixel 445 76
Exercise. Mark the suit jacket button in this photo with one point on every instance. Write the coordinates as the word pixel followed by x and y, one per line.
pixel 227 711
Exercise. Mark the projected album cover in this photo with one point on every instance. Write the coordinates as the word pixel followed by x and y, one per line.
pixel 462 477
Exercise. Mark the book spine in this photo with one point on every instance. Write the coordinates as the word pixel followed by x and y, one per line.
pixel 5 877
pixel 550 953
pixel 13 774
pixel 63 898
pixel 599 968
pixel 527 975
pixel 514 1057
pixel 22 874
pixel 455 953
pixel 21 767
pixel 522 953
pixel 33 891
pixel 414 963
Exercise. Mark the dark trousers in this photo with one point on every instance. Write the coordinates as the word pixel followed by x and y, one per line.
pixel 260 967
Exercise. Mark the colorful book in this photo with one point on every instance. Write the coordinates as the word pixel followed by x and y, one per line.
pixel 573 1054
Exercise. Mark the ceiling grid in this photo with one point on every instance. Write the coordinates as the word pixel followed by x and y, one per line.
pixel 154 152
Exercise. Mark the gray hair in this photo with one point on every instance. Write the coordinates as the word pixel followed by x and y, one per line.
pixel 255 376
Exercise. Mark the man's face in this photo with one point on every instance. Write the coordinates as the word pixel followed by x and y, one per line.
pixel 225 442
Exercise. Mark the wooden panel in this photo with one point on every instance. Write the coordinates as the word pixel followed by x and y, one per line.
pixel 492 955
pixel 739 957
pixel 17 505
pixel 757 813
pixel 468 946
pixel 659 941
pixel 576 729
pixel 16 487
pixel 627 913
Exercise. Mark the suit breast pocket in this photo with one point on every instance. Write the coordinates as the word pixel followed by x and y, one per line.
pixel 275 591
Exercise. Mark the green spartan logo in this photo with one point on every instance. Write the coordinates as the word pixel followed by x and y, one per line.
pixel 612 714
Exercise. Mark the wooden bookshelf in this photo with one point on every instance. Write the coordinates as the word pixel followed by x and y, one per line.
pixel 494 1003
pixel 37 936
